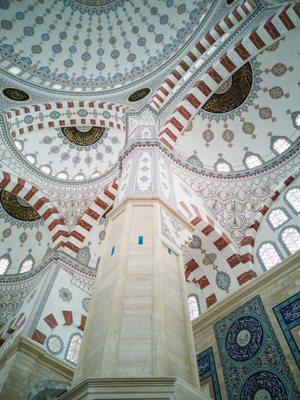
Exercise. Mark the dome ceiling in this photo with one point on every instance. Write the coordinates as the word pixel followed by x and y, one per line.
pixel 248 115
pixel 93 44
pixel 71 153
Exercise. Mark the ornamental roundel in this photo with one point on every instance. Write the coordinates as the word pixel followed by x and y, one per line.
pixel 139 95
pixel 83 135
pixel 17 207
pixel 232 93
pixel 15 94
pixel 264 385
pixel 244 339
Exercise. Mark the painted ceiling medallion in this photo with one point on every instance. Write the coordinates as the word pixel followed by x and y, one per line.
pixel 232 93
pixel 17 207
pixel 83 135
pixel 139 95
pixel 15 94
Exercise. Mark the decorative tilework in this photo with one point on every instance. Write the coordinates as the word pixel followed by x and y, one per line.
pixel 207 372
pixel 288 317
pixel 252 360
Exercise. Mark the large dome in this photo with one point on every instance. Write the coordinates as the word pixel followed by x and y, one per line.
pixel 75 45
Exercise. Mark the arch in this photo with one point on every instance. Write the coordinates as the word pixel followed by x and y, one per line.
pixel 248 242
pixel 51 321
pixel 269 30
pixel 93 213
pixel 291 205
pixel 272 252
pixel 277 217
pixel 74 344
pixel 81 113
pixel 227 23
pixel 194 273
pixel 46 389
pixel 204 224
pixel 290 239
pixel 194 306
pixel 35 197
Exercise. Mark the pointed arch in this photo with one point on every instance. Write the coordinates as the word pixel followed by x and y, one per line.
pixel 224 26
pixel 91 216
pixel 248 242
pixel 35 197
pixel 266 33
pixel 90 113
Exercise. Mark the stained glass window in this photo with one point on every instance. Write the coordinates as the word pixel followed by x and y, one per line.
pixel 223 167
pixel 269 255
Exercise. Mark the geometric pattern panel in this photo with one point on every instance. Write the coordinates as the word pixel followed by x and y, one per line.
pixel 208 374
pixel 288 317
pixel 253 363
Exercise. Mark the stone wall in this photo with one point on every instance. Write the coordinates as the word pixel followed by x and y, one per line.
pixel 248 344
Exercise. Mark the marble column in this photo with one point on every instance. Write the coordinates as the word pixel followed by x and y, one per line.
pixel 138 341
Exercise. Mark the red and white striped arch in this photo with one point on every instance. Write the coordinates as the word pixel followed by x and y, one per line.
pixel 61 318
pixel 248 242
pixel 226 24
pixel 265 34
pixel 204 225
pixel 116 111
pixel 89 219
pixel 39 202
pixel 194 273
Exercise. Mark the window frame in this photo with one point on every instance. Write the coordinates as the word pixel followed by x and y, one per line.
pixel 194 295
pixel 288 203
pixel 282 242
pixel 279 226
pixel 74 334
pixel 261 262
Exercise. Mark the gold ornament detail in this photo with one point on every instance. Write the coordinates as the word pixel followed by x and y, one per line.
pixel 17 207
pixel 233 97
pixel 139 95
pixel 82 136
pixel 15 94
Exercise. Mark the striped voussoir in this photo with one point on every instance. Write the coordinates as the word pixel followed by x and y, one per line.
pixel 204 225
pixel 265 34
pixel 14 326
pixel 230 21
pixel 93 213
pixel 195 274
pixel 60 318
pixel 248 242
pixel 95 119
pixel 33 196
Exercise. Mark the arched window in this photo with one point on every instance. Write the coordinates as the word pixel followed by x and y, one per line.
pixel 277 218
pixel 252 161
pixel 27 264
pixel 290 238
pixel 268 255
pixel 223 167
pixel 194 307
pixel 293 199
pixel 279 145
pixel 5 262
pixel 73 348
